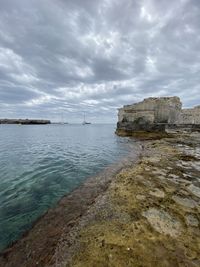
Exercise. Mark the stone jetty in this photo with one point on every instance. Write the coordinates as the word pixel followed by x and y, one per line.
pixel 24 121
pixel 161 114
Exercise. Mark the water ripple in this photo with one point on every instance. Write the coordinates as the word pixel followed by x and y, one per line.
pixel 39 164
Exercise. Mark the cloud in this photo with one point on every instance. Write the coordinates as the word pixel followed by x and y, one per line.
pixel 94 56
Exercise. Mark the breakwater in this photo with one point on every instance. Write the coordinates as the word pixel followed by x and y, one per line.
pixel 24 121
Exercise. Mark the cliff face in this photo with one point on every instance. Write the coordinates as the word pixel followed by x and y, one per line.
pixel 154 110
pixel 191 115
pixel 157 115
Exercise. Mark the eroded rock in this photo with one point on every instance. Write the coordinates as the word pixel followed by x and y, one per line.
pixel 157 193
pixel 140 197
pixel 157 115
pixel 194 190
pixel 163 222
pixel 186 202
pixel 191 220
pixel 159 172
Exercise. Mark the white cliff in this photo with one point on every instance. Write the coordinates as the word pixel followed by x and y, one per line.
pixel 156 114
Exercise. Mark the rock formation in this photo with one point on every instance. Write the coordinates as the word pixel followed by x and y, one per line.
pixel 157 115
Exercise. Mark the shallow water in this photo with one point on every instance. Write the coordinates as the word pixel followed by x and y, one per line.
pixel 40 164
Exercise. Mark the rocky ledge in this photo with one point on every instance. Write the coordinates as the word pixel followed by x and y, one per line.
pixel 157 115
pixel 24 121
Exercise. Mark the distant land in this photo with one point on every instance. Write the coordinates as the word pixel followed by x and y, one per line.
pixel 24 121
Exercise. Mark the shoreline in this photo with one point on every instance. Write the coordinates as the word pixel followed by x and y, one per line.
pixel 37 246
pixel 144 212
pixel 148 216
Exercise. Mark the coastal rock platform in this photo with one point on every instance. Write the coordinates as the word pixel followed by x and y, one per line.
pixel 150 214
pixel 147 215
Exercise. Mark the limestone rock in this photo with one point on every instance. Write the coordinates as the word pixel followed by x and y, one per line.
pixel 194 190
pixel 140 197
pixel 157 193
pixel 162 222
pixel 191 220
pixel 152 110
pixel 186 202
pixel 158 115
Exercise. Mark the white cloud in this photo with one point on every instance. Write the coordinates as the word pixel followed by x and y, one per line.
pixel 15 67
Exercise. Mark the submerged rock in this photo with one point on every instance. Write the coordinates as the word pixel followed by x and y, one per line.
pixel 162 222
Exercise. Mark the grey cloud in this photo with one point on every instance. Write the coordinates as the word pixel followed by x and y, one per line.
pixel 16 95
pixel 72 56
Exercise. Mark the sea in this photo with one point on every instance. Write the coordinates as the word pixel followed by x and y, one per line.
pixel 39 164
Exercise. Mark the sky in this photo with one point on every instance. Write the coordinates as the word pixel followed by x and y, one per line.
pixel 62 58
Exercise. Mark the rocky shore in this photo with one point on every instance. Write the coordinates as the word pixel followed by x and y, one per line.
pixel 39 245
pixel 146 212
pixel 150 214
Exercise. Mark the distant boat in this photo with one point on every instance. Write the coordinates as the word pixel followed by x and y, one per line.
pixel 62 120
pixel 85 122
pixel 61 123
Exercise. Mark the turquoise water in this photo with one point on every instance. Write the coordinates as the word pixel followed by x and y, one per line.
pixel 40 164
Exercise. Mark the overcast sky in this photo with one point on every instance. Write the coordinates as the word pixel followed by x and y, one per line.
pixel 73 56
